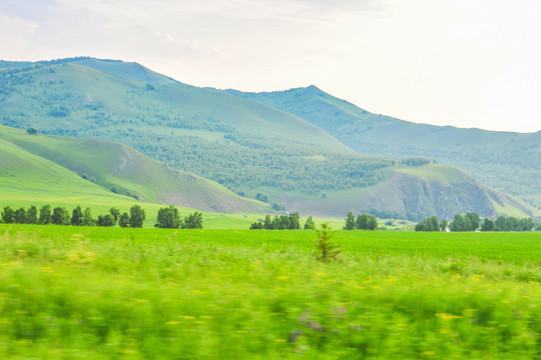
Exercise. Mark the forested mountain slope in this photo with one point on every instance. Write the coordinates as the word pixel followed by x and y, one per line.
pixel 510 162
pixel 251 148
pixel 115 168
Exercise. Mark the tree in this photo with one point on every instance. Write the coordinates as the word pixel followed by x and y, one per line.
pixel 309 224
pixel 106 220
pixel 372 222
pixel 124 220
pixel 193 221
pixel 32 215
pixel 294 221
pixel 45 215
pixel 326 250
pixel 350 221
pixel 366 222
pixel 137 216
pixel 19 216
pixel 501 224
pixel 31 131
pixel 526 224
pixel 115 212
pixel 267 224
pixel 473 221
pixel 262 197
pixel 459 223
pixel 77 216
pixel 61 216
pixel 258 225
pixel 168 218
pixel 488 225
pixel 87 218
pixel 429 224
pixel 8 215
pixel 512 224
pixel 444 224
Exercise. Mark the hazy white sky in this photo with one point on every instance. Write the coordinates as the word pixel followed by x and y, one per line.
pixel 466 63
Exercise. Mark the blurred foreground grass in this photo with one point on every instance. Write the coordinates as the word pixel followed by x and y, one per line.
pixel 68 293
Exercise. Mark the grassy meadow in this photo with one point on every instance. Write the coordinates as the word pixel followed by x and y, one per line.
pixel 112 293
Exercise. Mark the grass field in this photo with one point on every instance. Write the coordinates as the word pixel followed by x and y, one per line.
pixel 97 293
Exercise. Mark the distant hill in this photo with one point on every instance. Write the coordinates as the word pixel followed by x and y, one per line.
pixel 251 148
pixel 510 162
pixel 106 165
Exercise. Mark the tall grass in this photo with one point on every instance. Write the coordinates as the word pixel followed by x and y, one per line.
pixel 67 293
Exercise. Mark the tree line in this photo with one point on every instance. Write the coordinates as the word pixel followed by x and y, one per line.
pixel 362 222
pixel 282 222
pixel 472 222
pixel 168 217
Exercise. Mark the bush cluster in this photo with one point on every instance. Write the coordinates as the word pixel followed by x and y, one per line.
pixel 77 217
pixel 363 222
pixel 169 218
pixel 472 222
pixel 282 222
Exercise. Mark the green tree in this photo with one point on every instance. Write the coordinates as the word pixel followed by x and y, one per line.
pixel 473 221
pixel 262 197
pixel 31 215
pixel 77 216
pixel 512 224
pixel 193 221
pixel 124 220
pixel 31 131
pixel 488 225
pixel 168 218
pixel 444 224
pixel 459 223
pixel 45 215
pixel 366 222
pixel 61 216
pixel 267 223
pixel 106 220
pixel 137 216
pixel 350 221
pixel 258 225
pixel 326 250
pixel 429 224
pixel 8 215
pixel 115 212
pixel 87 218
pixel 294 221
pixel 19 216
pixel 526 224
pixel 501 223
pixel 309 224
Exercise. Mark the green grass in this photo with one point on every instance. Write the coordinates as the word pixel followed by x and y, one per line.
pixel 213 294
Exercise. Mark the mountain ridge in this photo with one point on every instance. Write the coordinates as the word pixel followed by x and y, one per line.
pixel 252 148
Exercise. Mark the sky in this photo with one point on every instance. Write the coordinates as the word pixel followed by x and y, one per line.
pixel 465 63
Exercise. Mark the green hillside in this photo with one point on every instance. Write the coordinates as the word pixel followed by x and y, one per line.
pixel 415 193
pixel 111 165
pixel 252 149
pixel 241 144
pixel 26 177
pixel 510 162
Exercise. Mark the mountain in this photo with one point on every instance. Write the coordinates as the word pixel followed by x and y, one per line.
pixel 507 161
pixel 251 148
pixel 96 166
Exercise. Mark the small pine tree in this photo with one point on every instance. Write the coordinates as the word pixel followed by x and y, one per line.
pixel 326 250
